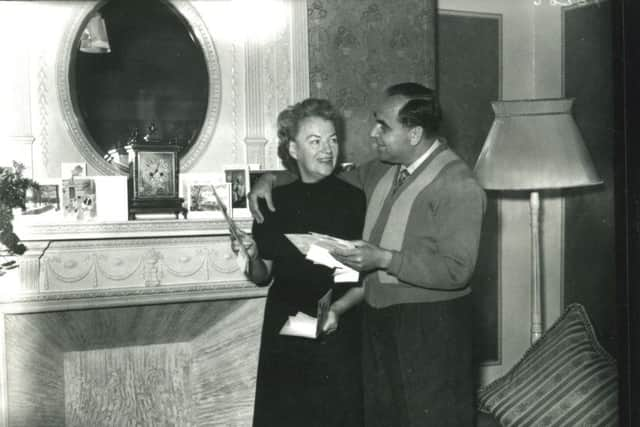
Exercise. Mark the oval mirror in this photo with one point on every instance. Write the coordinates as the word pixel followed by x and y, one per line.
pixel 154 77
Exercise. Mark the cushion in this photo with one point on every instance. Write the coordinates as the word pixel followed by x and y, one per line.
pixel 565 379
pixel 486 420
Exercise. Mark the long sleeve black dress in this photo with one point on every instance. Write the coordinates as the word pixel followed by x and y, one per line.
pixel 304 382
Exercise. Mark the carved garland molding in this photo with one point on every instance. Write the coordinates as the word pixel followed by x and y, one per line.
pixel 130 262
pixel 75 127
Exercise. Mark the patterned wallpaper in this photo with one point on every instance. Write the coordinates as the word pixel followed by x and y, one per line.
pixel 357 48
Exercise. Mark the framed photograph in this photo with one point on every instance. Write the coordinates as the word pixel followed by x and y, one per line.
pixel 238 177
pixel 45 200
pixel 186 179
pixel 202 202
pixel 79 198
pixel 72 170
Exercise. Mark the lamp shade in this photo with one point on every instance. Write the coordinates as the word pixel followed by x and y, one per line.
pixel 534 145
pixel 94 37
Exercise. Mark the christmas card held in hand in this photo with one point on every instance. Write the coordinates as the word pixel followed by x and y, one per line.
pixel 305 326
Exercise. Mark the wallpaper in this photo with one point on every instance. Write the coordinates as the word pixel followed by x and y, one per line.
pixel 357 48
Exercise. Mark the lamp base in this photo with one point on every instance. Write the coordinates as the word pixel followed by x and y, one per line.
pixel 537 326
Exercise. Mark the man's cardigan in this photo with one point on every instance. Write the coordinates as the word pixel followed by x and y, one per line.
pixel 432 225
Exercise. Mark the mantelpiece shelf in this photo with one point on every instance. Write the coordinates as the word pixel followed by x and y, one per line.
pixel 31 230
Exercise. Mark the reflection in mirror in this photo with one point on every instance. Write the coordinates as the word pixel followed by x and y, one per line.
pixel 154 83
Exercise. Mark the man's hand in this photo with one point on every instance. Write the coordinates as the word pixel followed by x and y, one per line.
pixel 261 189
pixel 364 257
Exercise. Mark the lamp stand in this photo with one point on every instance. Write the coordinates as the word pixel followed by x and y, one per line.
pixel 536 289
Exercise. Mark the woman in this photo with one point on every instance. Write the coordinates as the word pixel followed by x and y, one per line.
pixel 306 382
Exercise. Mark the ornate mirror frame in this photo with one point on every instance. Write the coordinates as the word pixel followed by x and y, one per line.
pixel 76 128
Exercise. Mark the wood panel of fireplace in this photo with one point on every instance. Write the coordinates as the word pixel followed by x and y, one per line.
pixel 178 364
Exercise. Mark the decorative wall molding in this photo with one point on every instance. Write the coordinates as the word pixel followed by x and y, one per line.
pixel 43 109
pixel 76 129
pixel 299 51
pixel 270 108
pixel 255 139
pixel 277 75
pixel 234 104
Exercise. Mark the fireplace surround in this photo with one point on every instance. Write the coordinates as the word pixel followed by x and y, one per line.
pixel 121 327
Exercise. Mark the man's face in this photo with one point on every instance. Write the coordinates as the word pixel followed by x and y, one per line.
pixel 391 138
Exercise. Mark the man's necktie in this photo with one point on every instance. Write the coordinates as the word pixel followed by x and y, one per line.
pixel 402 176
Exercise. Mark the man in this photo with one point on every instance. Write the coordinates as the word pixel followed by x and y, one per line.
pixel 419 248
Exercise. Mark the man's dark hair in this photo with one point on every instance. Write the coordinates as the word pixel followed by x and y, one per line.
pixel 421 109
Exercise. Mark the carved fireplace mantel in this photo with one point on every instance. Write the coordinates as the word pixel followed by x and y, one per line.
pixel 152 259
pixel 131 323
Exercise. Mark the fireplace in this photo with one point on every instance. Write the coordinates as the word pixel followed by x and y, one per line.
pixel 179 364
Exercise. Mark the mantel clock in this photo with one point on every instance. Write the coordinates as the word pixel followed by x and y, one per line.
pixel 153 179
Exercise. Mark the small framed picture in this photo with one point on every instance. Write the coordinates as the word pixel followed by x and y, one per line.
pixel 45 200
pixel 238 177
pixel 202 201
pixel 72 170
pixel 186 179
pixel 79 198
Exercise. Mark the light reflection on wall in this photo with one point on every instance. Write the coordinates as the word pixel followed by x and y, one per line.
pixel 252 20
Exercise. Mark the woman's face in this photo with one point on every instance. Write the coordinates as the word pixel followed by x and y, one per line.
pixel 315 149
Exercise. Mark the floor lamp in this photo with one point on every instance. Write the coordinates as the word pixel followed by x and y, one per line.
pixel 534 145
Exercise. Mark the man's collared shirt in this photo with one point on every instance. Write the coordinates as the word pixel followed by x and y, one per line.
pixel 420 160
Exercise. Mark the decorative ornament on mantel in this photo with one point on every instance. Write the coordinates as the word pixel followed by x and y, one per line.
pixel 13 190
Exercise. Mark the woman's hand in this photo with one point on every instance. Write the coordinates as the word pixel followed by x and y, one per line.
pixel 255 268
pixel 331 322
pixel 248 243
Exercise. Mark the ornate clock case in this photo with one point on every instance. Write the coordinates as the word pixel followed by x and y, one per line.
pixel 153 179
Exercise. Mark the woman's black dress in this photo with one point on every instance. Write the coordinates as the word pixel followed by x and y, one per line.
pixel 305 382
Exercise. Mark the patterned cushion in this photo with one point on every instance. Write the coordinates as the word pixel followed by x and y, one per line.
pixel 565 379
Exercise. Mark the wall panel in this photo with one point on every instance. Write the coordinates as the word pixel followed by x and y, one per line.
pixel 590 229
pixel 469 76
